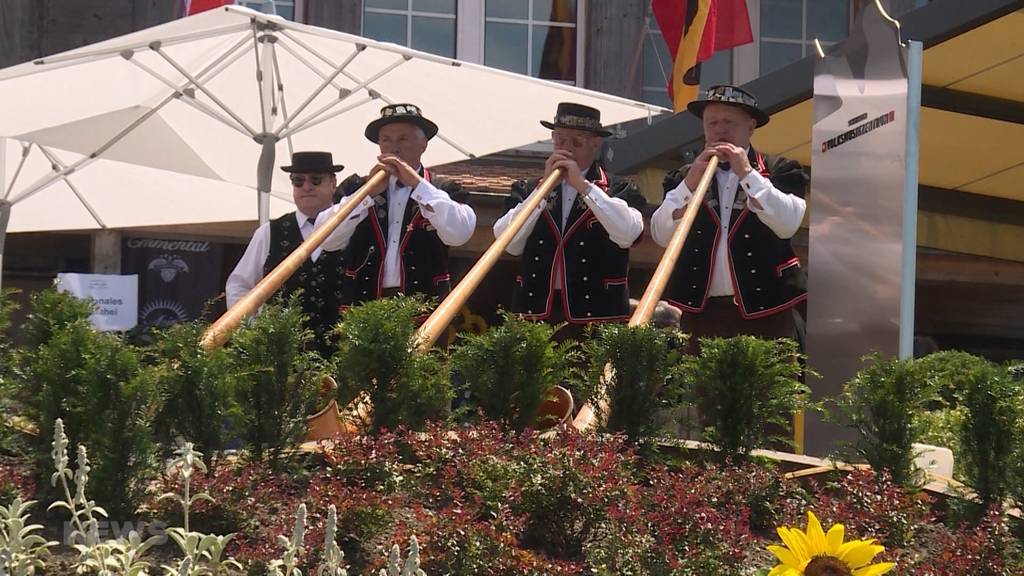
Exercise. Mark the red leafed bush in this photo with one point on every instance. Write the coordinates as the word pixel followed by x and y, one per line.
pixel 871 505
pixel 483 500
pixel 15 480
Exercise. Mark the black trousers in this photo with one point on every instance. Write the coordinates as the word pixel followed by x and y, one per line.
pixel 721 318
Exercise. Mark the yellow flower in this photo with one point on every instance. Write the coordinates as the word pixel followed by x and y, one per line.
pixel 801 547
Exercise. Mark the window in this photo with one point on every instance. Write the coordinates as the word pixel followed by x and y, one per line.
pixel 284 8
pixel 427 25
pixel 535 37
pixel 657 67
pixel 789 27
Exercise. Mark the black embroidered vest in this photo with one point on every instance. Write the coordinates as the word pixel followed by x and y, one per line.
pixel 319 281
pixel 422 256
pixel 766 273
pixel 595 270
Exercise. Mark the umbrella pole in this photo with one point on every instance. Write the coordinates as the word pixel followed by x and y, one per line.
pixel 5 216
pixel 5 205
pixel 264 175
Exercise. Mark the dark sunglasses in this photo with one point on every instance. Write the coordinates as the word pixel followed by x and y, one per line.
pixel 300 179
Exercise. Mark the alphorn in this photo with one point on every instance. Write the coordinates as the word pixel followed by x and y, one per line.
pixel 587 416
pixel 326 423
pixel 220 331
pixel 438 322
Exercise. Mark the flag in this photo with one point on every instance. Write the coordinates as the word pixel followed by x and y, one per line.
pixel 197 6
pixel 694 30
pixel 558 59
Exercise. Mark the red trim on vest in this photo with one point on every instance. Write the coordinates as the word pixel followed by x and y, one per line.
pixel 586 218
pixel 711 269
pixel 382 248
pixel 794 261
pixel 404 241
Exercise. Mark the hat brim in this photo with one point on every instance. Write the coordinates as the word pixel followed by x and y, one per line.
pixel 373 128
pixel 598 131
pixel 334 168
pixel 697 109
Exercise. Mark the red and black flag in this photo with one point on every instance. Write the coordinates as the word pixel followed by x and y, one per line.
pixel 694 30
pixel 197 6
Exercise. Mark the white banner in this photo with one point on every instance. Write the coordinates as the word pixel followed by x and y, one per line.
pixel 116 297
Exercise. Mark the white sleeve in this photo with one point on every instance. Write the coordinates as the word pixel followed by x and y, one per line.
pixel 249 270
pixel 340 236
pixel 454 221
pixel 518 243
pixel 778 210
pixel 623 223
pixel 663 225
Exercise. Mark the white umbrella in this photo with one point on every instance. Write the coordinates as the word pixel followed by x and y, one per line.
pixel 220 93
pixel 209 94
pixel 109 194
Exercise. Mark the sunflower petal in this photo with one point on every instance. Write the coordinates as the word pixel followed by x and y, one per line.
pixel 785 555
pixel 783 570
pixel 816 544
pixel 834 538
pixel 858 553
pixel 875 569
pixel 795 540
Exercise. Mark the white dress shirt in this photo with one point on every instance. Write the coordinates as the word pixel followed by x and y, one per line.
pixel 454 222
pixel 623 223
pixel 249 270
pixel 781 212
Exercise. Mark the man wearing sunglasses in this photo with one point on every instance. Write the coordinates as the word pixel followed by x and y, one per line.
pixel 313 181
pixel 397 240
pixel 574 249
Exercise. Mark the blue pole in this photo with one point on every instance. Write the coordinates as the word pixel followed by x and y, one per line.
pixel 908 272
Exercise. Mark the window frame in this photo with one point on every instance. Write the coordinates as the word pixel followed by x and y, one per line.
pixel 298 7
pixel 752 65
pixel 409 13
pixel 470 31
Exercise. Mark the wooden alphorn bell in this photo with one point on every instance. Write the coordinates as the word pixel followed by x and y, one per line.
pixel 587 416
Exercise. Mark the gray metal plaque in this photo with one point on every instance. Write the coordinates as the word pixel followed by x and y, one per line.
pixel 859 165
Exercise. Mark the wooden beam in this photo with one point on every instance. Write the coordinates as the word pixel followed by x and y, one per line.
pixel 20 32
pixel 614 36
pixel 106 252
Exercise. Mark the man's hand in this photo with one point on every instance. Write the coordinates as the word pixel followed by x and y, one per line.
pixel 735 156
pixel 561 159
pixel 697 169
pixel 395 166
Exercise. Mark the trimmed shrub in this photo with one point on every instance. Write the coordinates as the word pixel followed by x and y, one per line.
pixel 744 388
pixel 509 368
pixel 376 355
pixel 882 403
pixel 278 378
pixel 645 364
pixel 198 389
pixel 99 386
pixel 991 434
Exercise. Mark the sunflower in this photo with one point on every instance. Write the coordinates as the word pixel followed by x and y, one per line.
pixel 814 553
